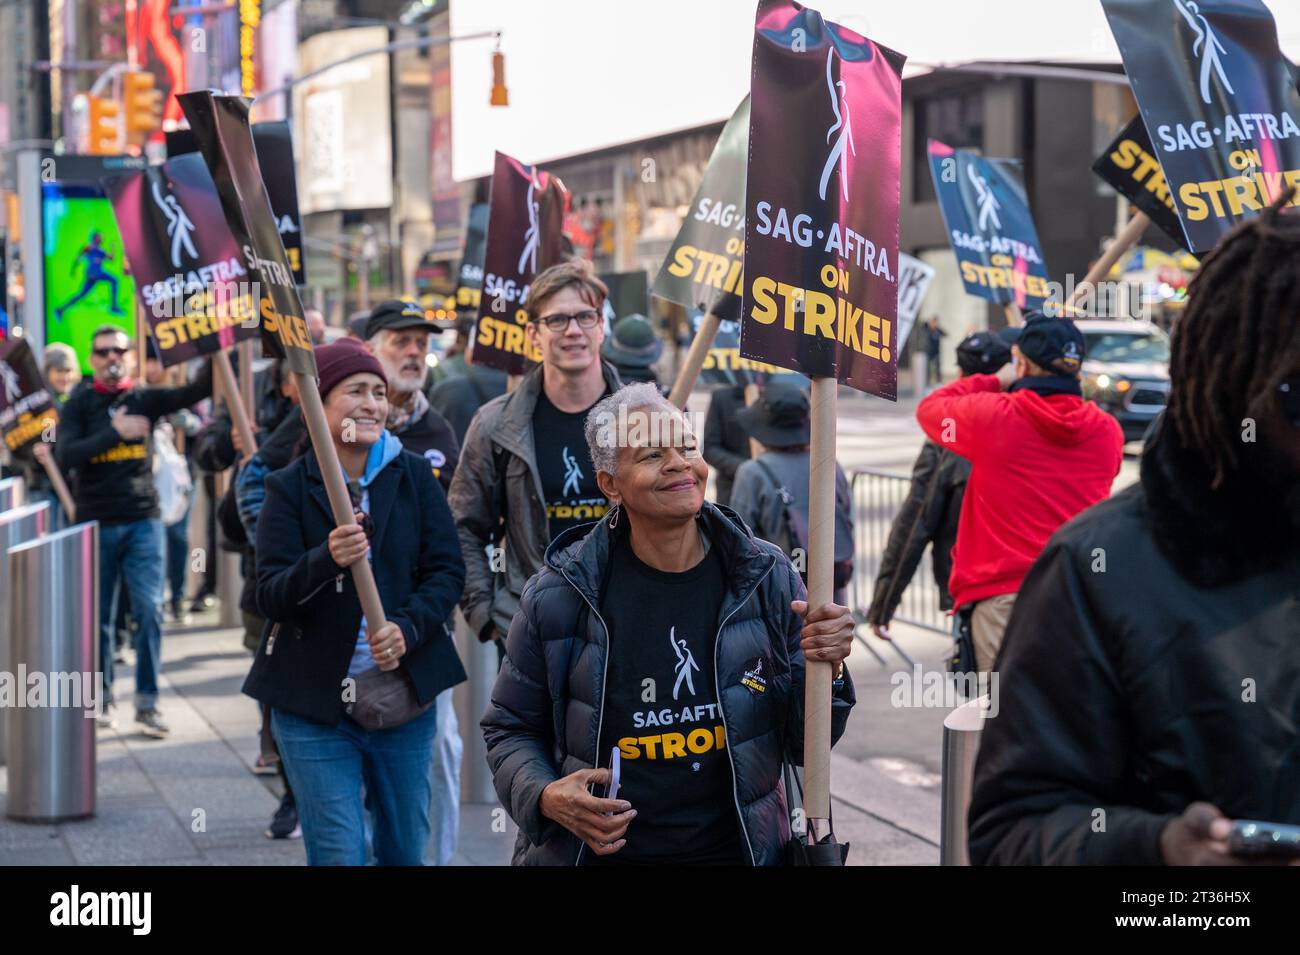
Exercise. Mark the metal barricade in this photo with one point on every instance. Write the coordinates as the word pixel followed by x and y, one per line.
pixel 877 498
pixel 54 625
pixel 17 526
pixel 13 493
pixel 961 741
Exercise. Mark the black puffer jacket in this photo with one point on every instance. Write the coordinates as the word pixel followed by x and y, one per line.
pixel 929 514
pixel 1152 660
pixel 544 717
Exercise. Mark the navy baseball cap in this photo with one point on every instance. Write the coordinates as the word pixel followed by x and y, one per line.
pixel 394 314
pixel 1053 344
pixel 982 353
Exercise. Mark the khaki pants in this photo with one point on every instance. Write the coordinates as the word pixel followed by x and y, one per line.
pixel 988 622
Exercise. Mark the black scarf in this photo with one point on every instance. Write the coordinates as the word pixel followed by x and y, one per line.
pixel 1048 385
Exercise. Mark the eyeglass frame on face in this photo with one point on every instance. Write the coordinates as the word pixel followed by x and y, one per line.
pixel 549 320
pixel 111 349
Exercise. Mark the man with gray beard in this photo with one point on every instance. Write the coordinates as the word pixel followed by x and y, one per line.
pixel 397 333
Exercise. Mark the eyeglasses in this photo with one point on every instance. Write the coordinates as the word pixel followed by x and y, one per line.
pixel 109 352
pixel 559 322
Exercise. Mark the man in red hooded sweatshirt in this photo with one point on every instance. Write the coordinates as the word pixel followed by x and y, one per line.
pixel 1039 455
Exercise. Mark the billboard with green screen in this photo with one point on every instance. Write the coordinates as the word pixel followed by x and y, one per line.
pixel 86 282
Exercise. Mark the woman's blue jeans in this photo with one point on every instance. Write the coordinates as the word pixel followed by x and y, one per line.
pixel 338 773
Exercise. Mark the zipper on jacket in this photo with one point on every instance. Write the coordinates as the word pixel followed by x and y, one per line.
pixel 270 639
pixel 338 584
pixel 321 587
pixel 717 689
pixel 600 719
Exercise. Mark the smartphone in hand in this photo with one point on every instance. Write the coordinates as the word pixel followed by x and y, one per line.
pixel 1250 837
pixel 615 766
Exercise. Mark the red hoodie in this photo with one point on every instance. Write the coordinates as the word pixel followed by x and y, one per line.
pixel 1036 461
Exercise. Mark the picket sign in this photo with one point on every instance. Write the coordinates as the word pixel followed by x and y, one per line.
pixel 694 361
pixel 1123 241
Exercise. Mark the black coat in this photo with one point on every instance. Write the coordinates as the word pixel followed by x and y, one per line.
pixel 311 603
pixel 543 720
pixel 726 446
pixel 929 515
pixel 1152 660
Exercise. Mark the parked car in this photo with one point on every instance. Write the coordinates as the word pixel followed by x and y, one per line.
pixel 1126 371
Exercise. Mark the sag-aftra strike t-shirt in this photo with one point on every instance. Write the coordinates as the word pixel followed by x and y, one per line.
pixel 564 465
pixel 661 711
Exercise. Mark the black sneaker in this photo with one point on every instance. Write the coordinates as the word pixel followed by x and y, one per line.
pixel 284 824
pixel 203 602
pixel 151 723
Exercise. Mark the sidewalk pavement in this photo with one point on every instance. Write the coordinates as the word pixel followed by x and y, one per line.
pixel 192 799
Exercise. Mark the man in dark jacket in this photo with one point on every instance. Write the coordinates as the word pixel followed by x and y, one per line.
pixel 457 397
pixel 105 432
pixel 726 446
pixel 525 473
pixel 397 333
pixel 931 510
pixel 1149 674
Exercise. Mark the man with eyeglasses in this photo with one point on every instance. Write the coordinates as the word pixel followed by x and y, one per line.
pixel 104 440
pixel 525 473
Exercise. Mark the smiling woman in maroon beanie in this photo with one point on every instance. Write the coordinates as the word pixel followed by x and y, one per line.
pixel 319 665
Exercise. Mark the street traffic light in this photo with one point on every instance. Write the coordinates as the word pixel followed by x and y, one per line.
pixel 500 96
pixel 105 126
pixel 143 103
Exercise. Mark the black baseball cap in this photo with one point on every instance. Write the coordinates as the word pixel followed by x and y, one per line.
pixel 394 314
pixel 1053 344
pixel 982 353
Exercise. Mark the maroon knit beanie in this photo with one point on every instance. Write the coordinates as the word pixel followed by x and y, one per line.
pixel 341 360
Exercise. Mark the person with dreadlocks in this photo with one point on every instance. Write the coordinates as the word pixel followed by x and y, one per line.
pixel 1150 691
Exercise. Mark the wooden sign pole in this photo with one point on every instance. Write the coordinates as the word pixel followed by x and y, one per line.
pixel 230 392
pixel 751 395
pixel 690 370
pixel 313 413
pixel 821 586
pixel 60 486
pixel 1123 241
pixel 1012 311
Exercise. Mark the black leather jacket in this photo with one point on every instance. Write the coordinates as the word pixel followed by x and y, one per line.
pixel 544 719
pixel 1153 660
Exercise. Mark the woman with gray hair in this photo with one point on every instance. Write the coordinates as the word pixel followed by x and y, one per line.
pixel 658 654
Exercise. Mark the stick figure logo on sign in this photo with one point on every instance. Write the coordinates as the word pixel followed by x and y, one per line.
pixel 837 157
pixel 1207 46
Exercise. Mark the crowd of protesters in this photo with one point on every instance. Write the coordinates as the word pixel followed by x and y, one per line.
pixel 649 635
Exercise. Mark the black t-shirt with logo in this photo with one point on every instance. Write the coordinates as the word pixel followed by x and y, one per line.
pixel 661 712
pixel 568 478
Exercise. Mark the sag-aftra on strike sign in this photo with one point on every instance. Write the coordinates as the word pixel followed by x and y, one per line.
pixel 821 201
pixel 1219 100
